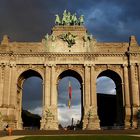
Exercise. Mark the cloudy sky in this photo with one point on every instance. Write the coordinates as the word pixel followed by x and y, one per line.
pixel 30 20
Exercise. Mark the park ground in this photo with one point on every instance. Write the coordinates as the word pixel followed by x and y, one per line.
pixel 81 137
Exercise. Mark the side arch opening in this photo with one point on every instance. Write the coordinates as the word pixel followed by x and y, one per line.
pixel 110 100
pixel 29 100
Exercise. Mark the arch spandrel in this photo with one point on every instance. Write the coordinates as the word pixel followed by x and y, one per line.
pixel 115 68
pixel 23 68
pixel 75 68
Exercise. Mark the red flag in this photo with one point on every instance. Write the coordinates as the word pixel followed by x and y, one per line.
pixel 70 94
pixel 70 90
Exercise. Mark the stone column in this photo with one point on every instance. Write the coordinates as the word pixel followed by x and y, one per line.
pixel 13 95
pixel 1 85
pixel 53 86
pixel 20 122
pixel 134 94
pixel 139 79
pixel 13 87
pixel 18 108
pixel 54 97
pixel 93 88
pixel 93 116
pixel 46 94
pixel 1 96
pixel 51 109
pixel 126 97
pixel 47 101
pixel 87 86
pixel 86 96
pixel 6 88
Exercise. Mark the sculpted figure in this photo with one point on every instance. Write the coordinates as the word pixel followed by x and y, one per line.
pixel 57 20
pixel 74 19
pixel 85 38
pixel 46 36
pixel 90 37
pixel 81 20
pixel 68 18
pixel 64 20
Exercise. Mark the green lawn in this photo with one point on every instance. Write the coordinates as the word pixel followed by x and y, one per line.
pixel 80 138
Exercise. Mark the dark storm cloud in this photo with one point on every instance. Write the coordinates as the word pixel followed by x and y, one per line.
pixel 32 93
pixel 27 20
pixel 115 20
pixel 30 20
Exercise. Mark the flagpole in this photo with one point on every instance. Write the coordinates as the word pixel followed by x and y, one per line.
pixel 69 94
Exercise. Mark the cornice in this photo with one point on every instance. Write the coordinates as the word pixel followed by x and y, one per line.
pixel 61 54
pixel 134 53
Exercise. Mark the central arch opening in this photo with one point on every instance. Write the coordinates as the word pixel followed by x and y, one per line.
pixel 30 95
pixel 110 100
pixel 70 103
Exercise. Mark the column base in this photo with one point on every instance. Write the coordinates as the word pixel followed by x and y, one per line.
pixel 127 118
pixel 93 123
pixel 134 118
pixel 91 120
pixel 127 124
pixel 20 125
pixel 85 122
pixel 49 120
pixel 49 124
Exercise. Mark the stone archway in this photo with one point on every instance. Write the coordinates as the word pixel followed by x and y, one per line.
pixel 69 47
pixel 23 76
pixel 72 76
pixel 116 105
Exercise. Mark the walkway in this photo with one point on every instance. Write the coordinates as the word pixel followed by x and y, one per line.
pixel 16 137
pixel 22 133
pixel 10 137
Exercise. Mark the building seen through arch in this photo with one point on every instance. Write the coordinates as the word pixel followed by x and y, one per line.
pixel 70 51
pixel 110 105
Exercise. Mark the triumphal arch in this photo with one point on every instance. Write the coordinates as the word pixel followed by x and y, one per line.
pixel 69 50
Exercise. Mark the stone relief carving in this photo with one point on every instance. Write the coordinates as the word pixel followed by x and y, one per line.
pixel 48 113
pixel 69 38
pixel 51 58
pixel 89 58
pixel 90 113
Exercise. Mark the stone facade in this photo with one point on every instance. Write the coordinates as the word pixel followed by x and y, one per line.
pixel 68 48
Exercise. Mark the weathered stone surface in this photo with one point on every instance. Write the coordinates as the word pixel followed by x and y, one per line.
pixel 52 56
